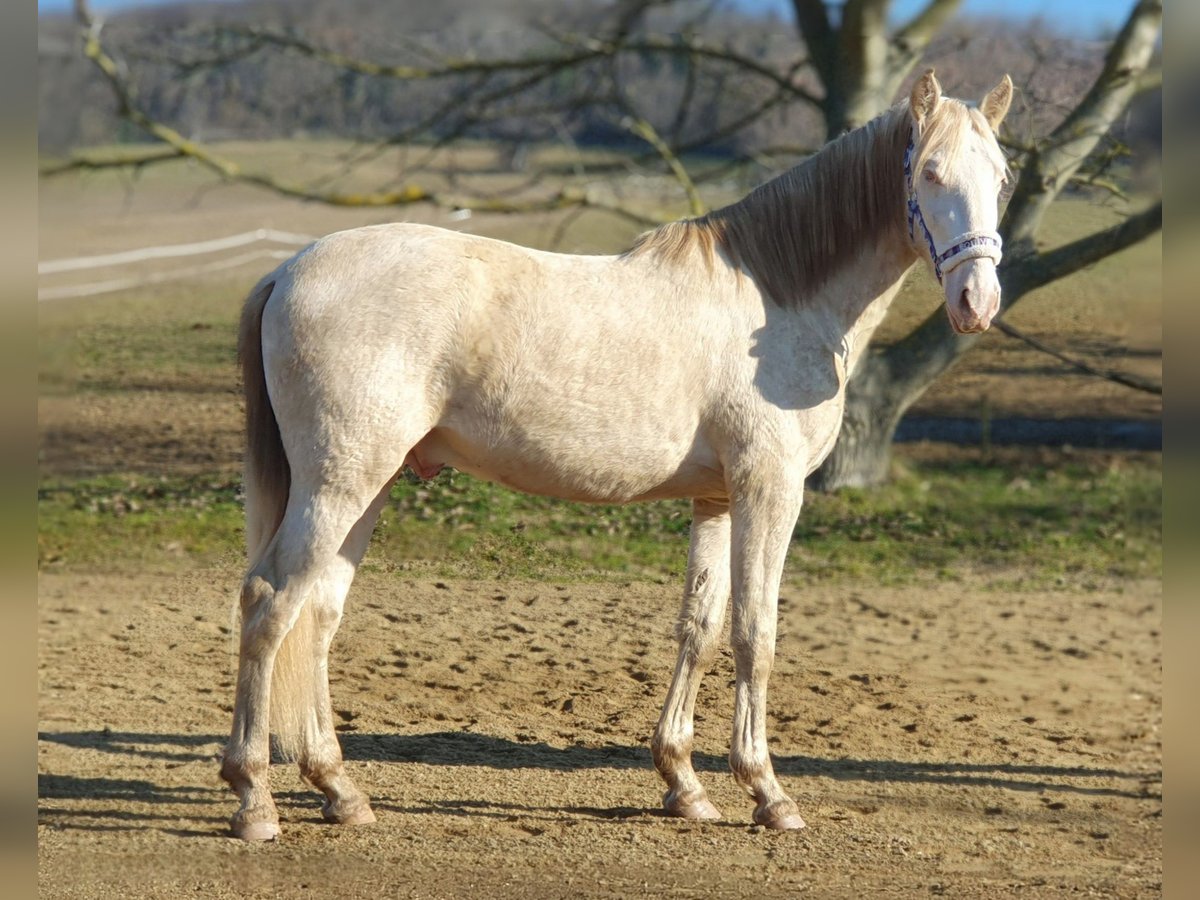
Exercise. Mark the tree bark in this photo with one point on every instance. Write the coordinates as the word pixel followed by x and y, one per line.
pixel 873 407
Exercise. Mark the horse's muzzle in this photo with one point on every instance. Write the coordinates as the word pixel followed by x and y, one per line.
pixel 972 295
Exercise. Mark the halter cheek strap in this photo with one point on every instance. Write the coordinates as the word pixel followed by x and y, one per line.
pixel 969 245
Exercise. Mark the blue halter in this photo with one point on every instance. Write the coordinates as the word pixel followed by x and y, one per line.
pixel 971 245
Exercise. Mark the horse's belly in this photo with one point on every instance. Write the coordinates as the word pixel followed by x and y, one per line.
pixel 573 467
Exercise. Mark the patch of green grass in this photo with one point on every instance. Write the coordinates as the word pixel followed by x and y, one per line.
pixel 1084 519
pixel 1073 522
pixel 191 354
pixel 112 522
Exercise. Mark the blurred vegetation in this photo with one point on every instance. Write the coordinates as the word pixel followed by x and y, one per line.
pixel 195 67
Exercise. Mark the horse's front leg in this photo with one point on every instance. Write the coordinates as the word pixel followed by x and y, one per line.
pixel 706 593
pixel 765 503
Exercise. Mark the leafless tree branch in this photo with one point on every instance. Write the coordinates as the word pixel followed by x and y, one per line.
pixel 918 31
pixel 134 158
pixel 646 132
pixel 1033 272
pixel 1054 162
pixel 406 194
pixel 912 39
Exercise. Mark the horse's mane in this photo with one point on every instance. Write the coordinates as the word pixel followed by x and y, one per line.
pixel 795 232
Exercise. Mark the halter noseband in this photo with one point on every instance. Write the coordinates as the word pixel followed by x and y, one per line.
pixel 970 245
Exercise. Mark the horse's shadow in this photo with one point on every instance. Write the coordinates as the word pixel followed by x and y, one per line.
pixel 471 749
pixel 136 801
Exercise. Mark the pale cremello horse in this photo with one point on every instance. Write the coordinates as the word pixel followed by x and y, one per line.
pixel 708 362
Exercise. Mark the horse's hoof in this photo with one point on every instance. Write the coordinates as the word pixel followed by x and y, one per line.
pixel 254 831
pixel 781 816
pixel 357 815
pixel 695 807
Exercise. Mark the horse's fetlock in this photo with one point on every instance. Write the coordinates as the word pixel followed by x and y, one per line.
pixel 319 771
pixel 670 754
pixel 239 772
pixel 747 772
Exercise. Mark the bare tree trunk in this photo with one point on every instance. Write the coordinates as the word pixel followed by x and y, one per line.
pixel 887 382
pixel 860 65
pixel 873 408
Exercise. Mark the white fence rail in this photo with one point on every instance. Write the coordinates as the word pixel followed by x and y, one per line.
pixel 168 251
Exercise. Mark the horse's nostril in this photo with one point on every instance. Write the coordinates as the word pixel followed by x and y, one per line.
pixel 965 300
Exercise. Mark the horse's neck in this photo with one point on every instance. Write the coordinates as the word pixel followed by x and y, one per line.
pixel 852 305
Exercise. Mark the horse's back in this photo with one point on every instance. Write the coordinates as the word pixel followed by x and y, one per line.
pixel 588 377
pixel 388 301
pixel 577 376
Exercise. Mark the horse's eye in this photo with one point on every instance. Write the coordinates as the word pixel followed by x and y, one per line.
pixel 931 177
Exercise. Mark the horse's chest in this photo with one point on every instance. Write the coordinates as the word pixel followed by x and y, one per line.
pixel 817 403
pixel 825 432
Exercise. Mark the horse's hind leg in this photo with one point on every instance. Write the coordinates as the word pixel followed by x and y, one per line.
pixel 274 594
pixel 320 754
pixel 706 594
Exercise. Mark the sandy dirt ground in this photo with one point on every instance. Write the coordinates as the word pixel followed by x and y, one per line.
pixel 951 739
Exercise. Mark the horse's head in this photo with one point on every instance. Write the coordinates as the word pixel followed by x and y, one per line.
pixel 953 172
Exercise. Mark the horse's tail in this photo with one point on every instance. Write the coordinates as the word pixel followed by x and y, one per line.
pixel 268 478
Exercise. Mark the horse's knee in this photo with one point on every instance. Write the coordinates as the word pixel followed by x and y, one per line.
pixel 698 625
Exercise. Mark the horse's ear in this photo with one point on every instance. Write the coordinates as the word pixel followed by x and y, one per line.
pixel 925 96
pixel 995 105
